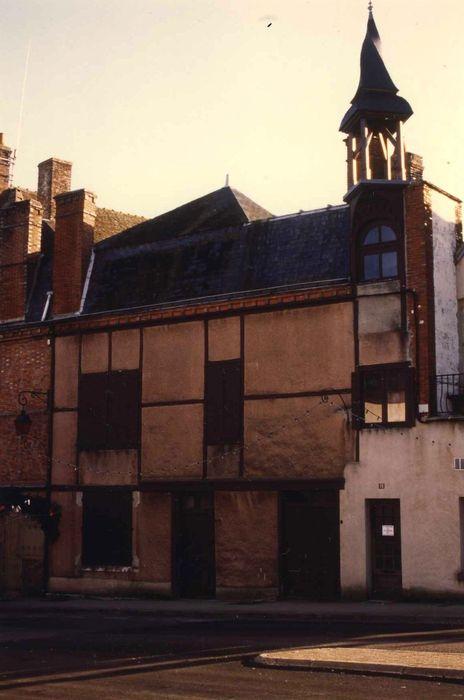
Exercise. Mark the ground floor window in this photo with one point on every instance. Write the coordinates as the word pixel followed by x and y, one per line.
pixel 107 528
pixel 386 395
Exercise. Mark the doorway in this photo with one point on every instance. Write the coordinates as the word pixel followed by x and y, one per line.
pixel 385 548
pixel 310 545
pixel 194 564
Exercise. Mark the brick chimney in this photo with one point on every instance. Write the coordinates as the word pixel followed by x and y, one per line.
pixel 74 231
pixel 54 178
pixel 5 165
pixel 20 229
pixel 414 167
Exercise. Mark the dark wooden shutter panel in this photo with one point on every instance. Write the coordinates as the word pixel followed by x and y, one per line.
pixel 232 395
pixel 107 528
pixel 123 409
pixel 214 403
pixel 92 411
pixel 223 404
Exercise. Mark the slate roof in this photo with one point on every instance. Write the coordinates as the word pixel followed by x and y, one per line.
pixel 173 259
pixel 224 207
pixel 376 93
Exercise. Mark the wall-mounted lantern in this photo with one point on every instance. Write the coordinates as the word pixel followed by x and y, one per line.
pixel 23 420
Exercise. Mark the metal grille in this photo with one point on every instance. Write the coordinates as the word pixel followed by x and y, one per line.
pixel 448 394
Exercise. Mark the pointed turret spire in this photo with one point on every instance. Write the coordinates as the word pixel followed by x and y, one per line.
pixel 375 117
pixel 376 91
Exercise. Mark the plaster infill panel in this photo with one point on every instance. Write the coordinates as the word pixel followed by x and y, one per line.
pixel 379 314
pixel 66 371
pixel 94 353
pixel 108 467
pixel 154 537
pixel 173 362
pixel 125 349
pixel 172 442
pixel 299 349
pixel 224 339
pixel 300 438
pixel 223 461
pixel 383 348
pixel 64 448
pixel 64 552
pixel 246 539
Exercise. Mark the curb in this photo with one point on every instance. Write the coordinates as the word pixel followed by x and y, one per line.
pixel 240 614
pixel 444 675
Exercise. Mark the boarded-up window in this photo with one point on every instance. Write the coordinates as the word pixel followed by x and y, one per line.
pixel 383 396
pixel 109 405
pixel 223 402
pixel 107 528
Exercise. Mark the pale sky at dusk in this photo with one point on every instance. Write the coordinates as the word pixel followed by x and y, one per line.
pixel 155 101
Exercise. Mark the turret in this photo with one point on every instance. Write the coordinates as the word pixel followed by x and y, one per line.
pixel 374 122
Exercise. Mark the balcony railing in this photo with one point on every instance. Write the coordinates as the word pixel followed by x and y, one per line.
pixel 447 393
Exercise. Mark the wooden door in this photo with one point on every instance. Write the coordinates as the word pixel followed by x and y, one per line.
pixel 385 535
pixel 310 545
pixel 194 545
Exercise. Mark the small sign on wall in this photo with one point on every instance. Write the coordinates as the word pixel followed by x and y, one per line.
pixel 388 530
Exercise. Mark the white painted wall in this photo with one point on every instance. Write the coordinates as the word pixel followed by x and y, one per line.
pixel 444 279
pixel 416 466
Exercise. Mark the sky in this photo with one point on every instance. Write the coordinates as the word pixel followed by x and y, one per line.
pixel 156 101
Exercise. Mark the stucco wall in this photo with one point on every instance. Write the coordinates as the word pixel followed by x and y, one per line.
pixel 95 352
pixel 444 280
pixel 246 540
pixel 173 362
pixel 296 438
pixel 66 371
pixel 64 463
pixel 125 349
pixel 224 338
pixel 153 545
pixel 172 442
pixel 299 349
pixel 416 466
pixel 106 467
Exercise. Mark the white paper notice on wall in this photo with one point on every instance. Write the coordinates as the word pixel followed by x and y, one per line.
pixel 388 530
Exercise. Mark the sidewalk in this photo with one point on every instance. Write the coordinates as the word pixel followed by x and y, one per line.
pixel 408 663
pixel 375 612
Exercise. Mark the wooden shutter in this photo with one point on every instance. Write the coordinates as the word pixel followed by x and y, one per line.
pixel 232 397
pixel 223 404
pixel 123 409
pixel 107 528
pixel 92 411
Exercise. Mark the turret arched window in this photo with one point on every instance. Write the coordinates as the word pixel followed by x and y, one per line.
pixel 378 253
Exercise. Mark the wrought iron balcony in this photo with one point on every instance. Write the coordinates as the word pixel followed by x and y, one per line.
pixel 447 392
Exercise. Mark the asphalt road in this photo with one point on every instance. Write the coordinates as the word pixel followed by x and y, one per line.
pixel 119 654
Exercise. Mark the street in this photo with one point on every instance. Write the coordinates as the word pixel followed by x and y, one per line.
pixel 123 653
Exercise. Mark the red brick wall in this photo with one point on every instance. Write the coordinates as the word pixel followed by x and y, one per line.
pixel 54 178
pixel 5 154
pixel 75 221
pixel 24 364
pixel 419 276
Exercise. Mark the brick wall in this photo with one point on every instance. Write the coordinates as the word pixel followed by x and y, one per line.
pixel 419 276
pixel 54 178
pixel 20 230
pixel 74 233
pixel 24 364
pixel 5 163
